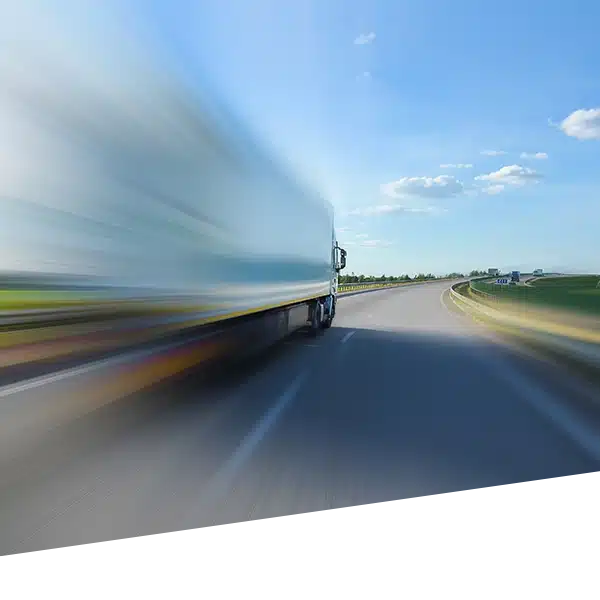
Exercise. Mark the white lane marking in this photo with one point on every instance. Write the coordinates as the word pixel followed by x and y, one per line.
pixel 458 318
pixel 222 480
pixel 444 305
pixel 577 429
pixel 347 337
pixel 451 299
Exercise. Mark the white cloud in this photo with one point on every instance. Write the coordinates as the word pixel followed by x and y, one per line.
pixel 493 152
pixel 365 38
pixel 362 235
pixel 534 156
pixel 442 186
pixel 511 175
pixel 582 124
pixel 411 191
pixel 385 209
pixel 366 243
pixel 375 244
pixel 492 190
pixel 456 166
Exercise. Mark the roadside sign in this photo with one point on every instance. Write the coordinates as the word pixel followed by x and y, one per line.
pixel 502 281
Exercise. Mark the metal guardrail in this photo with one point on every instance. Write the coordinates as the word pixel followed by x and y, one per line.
pixel 588 352
pixel 380 284
pixel 475 290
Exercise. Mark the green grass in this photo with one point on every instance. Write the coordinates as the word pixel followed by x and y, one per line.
pixel 577 293
pixel 39 299
pixel 577 282
pixel 560 359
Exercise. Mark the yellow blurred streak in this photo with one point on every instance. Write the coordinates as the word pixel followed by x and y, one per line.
pixel 10 339
pixel 58 403
pixel 20 347
pixel 534 320
pixel 94 341
pixel 125 381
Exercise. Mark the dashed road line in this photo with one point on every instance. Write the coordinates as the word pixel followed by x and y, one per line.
pixel 226 475
pixel 345 339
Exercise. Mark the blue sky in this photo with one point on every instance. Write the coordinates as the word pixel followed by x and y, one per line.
pixel 437 84
pixel 448 135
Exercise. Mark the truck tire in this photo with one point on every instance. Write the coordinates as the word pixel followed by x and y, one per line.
pixel 316 322
pixel 329 320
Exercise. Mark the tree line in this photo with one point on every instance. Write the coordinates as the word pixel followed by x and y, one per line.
pixel 354 278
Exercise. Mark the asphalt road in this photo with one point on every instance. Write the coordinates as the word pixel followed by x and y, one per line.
pixel 400 398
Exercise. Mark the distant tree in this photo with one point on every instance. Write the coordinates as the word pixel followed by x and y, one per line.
pixel 362 278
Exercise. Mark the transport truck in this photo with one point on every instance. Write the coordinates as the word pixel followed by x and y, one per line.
pixel 155 195
pixel 515 276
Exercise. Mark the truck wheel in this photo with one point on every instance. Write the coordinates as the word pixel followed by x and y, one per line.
pixel 316 318
pixel 329 320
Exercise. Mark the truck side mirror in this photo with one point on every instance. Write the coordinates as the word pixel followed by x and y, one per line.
pixel 343 255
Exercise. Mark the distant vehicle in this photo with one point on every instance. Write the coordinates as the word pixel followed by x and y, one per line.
pixel 515 276
pixel 493 271
pixel 538 273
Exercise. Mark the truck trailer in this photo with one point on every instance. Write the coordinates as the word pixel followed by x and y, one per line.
pixel 155 195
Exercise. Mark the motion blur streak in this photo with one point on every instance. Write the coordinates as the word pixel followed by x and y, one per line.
pixel 30 411
pixel 399 399
pixel 138 218
pixel 119 171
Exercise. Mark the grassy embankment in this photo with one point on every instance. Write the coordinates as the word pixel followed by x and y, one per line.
pixel 550 294
pixel 577 294
pixel 42 299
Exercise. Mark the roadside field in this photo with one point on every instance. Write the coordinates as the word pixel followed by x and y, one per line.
pixel 40 299
pixel 577 294
pixel 572 283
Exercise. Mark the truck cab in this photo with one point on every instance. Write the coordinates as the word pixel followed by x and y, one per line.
pixel 322 310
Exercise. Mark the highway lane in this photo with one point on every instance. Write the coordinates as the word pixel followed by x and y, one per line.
pixel 401 398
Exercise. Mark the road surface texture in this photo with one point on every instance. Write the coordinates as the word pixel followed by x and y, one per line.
pixel 400 398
